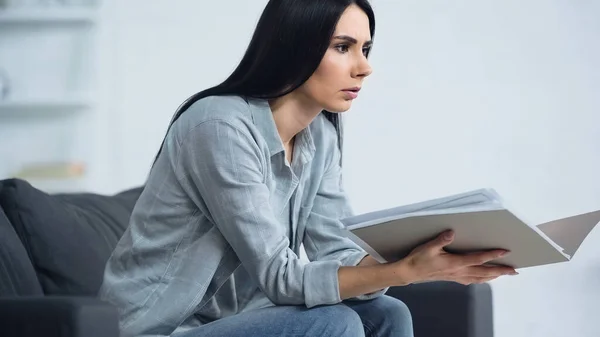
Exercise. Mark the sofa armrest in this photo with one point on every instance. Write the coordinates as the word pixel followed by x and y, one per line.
pixel 448 309
pixel 57 317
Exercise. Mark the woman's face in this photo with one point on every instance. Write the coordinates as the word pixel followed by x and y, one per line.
pixel 344 66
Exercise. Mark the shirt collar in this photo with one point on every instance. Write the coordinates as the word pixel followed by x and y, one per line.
pixel 262 116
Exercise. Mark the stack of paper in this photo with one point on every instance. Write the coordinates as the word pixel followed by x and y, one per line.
pixel 480 220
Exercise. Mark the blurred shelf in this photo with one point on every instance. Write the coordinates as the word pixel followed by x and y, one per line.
pixel 65 185
pixel 47 15
pixel 54 177
pixel 44 105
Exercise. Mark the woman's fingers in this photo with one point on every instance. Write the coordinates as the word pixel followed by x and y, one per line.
pixel 479 258
pixel 488 271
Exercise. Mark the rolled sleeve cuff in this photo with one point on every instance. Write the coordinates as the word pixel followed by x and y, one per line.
pixel 354 258
pixel 321 285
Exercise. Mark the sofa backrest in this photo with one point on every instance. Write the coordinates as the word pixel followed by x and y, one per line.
pixel 17 276
pixel 67 237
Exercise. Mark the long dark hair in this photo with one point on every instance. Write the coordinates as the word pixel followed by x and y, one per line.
pixel 289 41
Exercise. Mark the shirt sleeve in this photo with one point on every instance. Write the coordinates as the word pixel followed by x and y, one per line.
pixel 324 237
pixel 220 166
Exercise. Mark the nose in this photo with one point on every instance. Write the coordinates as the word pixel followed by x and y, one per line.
pixel 362 68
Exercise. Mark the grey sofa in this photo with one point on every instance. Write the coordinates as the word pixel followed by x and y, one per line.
pixel 52 254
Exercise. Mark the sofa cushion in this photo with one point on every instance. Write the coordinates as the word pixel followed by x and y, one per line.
pixel 17 277
pixel 69 237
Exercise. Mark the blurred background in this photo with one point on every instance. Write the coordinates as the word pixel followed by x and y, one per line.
pixel 464 94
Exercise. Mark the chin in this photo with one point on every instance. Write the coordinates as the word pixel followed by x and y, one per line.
pixel 339 107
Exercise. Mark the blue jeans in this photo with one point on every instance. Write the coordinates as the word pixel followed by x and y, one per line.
pixel 383 316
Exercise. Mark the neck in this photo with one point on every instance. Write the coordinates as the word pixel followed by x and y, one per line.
pixel 292 113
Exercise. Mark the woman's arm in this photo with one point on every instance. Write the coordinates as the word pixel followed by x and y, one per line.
pixel 220 166
pixel 324 237
pixel 369 277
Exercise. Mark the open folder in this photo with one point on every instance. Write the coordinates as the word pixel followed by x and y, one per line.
pixel 480 220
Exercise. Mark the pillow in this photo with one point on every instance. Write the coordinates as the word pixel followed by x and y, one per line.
pixel 17 277
pixel 69 237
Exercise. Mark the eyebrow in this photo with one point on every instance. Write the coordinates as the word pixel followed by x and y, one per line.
pixel 352 40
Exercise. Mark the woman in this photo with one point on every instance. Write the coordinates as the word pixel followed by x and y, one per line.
pixel 249 171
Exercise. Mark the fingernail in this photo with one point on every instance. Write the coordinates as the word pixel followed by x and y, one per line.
pixel 514 273
pixel 448 236
pixel 504 253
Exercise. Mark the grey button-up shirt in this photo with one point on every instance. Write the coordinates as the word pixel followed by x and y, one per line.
pixel 219 225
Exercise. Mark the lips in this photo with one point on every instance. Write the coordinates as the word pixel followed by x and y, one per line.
pixel 351 93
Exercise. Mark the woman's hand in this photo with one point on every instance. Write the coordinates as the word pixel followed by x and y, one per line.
pixel 430 262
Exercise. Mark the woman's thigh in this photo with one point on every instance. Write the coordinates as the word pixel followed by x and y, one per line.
pixel 335 320
pixel 384 316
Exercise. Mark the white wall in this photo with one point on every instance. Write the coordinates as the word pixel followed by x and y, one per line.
pixel 503 94
pixel 465 94
pixel 166 53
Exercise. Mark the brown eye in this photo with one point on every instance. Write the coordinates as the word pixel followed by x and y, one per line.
pixel 342 48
